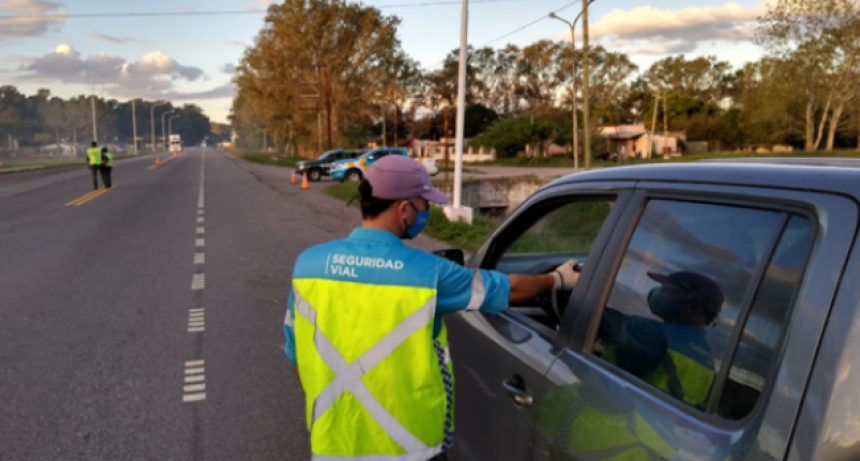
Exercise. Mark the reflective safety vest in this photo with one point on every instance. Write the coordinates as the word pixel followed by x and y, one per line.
pixel 366 355
pixel 576 427
pixel 108 159
pixel 94 156
pixel 679 374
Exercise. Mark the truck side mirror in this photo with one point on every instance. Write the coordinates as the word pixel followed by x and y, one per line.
pixel 455 255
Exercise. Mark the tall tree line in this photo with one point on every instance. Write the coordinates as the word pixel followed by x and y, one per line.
pixel 802 92
pixel 42 119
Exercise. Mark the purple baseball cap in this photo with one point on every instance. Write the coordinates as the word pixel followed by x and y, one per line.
pixel 396 177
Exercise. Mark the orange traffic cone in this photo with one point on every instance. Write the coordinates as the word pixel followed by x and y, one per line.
pixel 157 161
pixel 293 179
pixel 305 181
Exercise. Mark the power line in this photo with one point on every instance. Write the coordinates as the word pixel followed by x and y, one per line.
pixel 153 14
pixel 518 29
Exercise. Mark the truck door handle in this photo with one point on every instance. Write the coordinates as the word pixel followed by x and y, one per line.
pixel 516 389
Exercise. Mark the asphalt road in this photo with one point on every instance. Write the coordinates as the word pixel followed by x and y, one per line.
pixel 146 322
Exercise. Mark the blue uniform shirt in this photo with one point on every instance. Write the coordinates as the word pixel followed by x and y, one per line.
pixel 453 289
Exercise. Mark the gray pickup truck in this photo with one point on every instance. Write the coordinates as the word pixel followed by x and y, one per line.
pixel 715 318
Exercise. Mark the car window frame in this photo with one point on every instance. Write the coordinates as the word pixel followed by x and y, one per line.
pixel 594 301
pixel 488 253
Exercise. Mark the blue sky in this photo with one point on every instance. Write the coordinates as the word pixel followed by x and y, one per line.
pixel 186 58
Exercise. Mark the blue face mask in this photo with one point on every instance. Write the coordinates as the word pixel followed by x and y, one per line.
pixel 419 224
pixel 664 303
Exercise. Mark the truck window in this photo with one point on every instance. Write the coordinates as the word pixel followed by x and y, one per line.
pixel 766 322
pixel 678 291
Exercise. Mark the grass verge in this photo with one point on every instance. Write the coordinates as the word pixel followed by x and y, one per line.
pixel 457 234
pixel 268 158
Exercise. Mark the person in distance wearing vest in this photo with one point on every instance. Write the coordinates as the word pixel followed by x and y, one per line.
pixel 107 168
pixel 94 161
pixel 364 324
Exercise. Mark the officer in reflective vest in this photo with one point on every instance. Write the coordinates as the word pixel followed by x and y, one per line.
pixel 94 161
pixel 364 325
pixel 673 354
pixel 107 168
pixel 596 419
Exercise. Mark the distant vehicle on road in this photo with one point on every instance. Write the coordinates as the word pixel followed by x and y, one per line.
pixel 354 169
pixel 715 318
pixel 320 167
pixel 175 143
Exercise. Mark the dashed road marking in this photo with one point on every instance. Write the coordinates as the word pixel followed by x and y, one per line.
pixel 200 219
pixel 200 230
pixel 198 282
pixel 199 258
pixel 200 242
pixel 200 211
pixel 194 373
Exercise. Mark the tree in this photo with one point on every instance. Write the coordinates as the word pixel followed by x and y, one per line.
pixel 816 41
pixel 356 42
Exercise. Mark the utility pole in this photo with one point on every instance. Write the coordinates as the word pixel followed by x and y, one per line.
pixel 457 211
pixel 93 104
pixel 572 26
pixel 665 123
pixel 164 138
pixel 152 122
pixel 412 134
pixel 586 92
pixel 653 125
pixel 134 125
pixel 170 125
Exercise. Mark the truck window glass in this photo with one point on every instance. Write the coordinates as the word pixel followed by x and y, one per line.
pixel 766 321
pixel 678 291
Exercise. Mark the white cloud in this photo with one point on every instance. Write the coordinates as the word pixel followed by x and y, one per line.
pixel 667 48
pixel 228 68
pixel 227 90
pixel 153 72
pixel 681 30
pixel 235 43
pixel 38 18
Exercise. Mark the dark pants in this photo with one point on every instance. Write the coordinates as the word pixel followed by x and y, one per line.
pixel 94 169
pixel 106 178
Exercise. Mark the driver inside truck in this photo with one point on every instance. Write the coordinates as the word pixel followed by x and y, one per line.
pixel 671 353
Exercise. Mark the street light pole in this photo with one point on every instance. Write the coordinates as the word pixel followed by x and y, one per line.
pixel 93 104
pixel 460 212
pixel 585 85
pixel 134 125
pixel 572 26
pixel 170 125
pixel 164 139
pixel 152 122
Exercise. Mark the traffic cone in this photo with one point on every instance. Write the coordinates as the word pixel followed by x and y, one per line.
pixel 305 181
pixel 157 161
pixel 293 180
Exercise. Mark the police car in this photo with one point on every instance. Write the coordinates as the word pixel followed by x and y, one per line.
pixel 354 169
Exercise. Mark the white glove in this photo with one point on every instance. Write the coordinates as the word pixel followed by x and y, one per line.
pixel 565 276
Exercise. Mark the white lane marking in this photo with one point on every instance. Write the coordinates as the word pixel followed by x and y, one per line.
pixel 194 363
pixel 200 219
pixel 199 258
pixel 188 398
pixel 194 387
pixel 198 282
pixel 194 379
pixel 195 315
pixel 196 324
pixel 194 371
pixel 200 230
pixel 196 329
pixel 200 211
pixel 200 242
pixel 200 309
